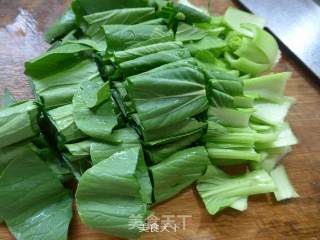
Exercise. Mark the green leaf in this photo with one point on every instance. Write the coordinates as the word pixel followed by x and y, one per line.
pixel 222 92
pixel 48 155
pixel 55 60
pixel 129 54
pixel 122 139
pixel 93 43
pixel 18 122
pixel 125 16
pixel 65 128
pixel 179 94
pixel 121 37
pixel 191 14
pixel 186 33
pixel 77 166
pixel 206 43
pixel 208 61
pixel 96 122
pixel 159 153
pixel 95 91
pixel 219 190
pixel 148 62
pixel 92 6
pixel 285 190
pixel 57 74
pixel 173 133
pixel 62 26
pixel 33 202
pixel 178 171
pixel 165 37
pixel 113 191
pixel 102 151
pixel 79 150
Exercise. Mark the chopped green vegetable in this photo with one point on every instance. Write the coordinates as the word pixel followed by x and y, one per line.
pixel 124 80
pixel 56 75
pixel 62 26
pixel 178 171
pixel 65 128
pixel 219 190
pixel 96 122
pixel 284 188
pixel 271 158
pixel 234 18
pixel 18 122
pixel 125 177
pixel 160 153
pixel 186 33
pixel 148 62
pixel 121 37
pixel 180 94
pixel 33 202
pixel 133 53
pixel 272 113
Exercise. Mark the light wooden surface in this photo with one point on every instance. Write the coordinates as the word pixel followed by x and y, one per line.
pixel 21 25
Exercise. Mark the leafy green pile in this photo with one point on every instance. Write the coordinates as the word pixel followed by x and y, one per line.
pixel 137 100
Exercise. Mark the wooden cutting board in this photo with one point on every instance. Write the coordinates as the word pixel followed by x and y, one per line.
pixel 22 23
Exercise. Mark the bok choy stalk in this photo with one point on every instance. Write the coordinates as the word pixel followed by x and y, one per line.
pixel 271 113
pixel 268 87
pixel 254 54
pixel 18 122
pixel 235 18
pixel 270 158
pixel 219 190
pixel 178 171
pixel 125 176
pixel 285 189
pixel 27 180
